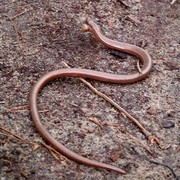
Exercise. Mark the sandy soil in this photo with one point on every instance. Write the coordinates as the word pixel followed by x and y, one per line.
pixel 36 36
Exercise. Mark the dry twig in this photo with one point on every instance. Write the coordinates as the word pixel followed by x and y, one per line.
pixel 138 67
pixel 140 142
pixel 94 120
pixel 20 38
pixel 24 108
pixel 53 152
pixel 149 136
pixel 14 135
pixel 134 19
pixel 21 13
pixel 172 2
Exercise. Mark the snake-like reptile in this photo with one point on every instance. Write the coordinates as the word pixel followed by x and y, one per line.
pixel 92 27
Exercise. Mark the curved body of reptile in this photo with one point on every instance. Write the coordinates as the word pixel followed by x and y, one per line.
pixel 141 54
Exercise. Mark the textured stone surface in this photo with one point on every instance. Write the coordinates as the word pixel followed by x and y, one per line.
pixel 35 36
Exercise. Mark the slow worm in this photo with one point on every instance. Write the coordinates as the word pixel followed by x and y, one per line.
pixel 92 27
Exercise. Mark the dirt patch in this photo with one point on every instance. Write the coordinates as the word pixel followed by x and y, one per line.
pixel 35 36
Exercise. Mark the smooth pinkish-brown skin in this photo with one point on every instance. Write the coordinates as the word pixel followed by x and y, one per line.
pixel 96 75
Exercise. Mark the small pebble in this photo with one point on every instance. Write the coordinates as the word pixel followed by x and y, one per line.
pixel 178 56
pixel 118 54
pixel 114 157
pixel 167 124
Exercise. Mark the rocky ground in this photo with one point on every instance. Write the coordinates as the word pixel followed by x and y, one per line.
pixel 36 36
